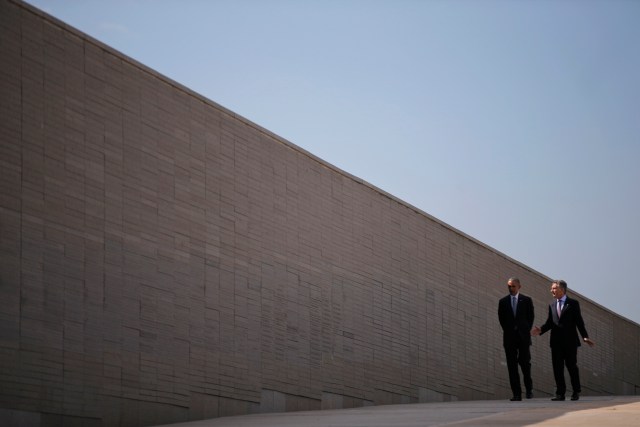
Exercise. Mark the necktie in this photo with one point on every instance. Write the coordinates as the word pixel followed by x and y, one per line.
pixel 514 304
pixel 559 307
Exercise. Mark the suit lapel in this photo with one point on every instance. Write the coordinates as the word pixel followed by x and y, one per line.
pixel 554 311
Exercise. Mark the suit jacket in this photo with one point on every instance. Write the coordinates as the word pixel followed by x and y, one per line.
pixel 564 329
pixel 516 328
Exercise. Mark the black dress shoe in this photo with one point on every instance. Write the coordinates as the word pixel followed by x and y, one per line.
pixel 575 396
pixel 516 398
pixel 529 395
pixel 558 398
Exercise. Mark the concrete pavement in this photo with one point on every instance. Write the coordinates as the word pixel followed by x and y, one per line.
pixel 600 411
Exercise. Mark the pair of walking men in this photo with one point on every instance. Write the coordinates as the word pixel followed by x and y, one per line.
pixel 516 315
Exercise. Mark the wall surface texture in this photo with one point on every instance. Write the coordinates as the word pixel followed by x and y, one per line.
pixel 164 259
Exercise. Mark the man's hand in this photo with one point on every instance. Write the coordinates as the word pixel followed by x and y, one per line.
pixel 589 341
pixel 536 331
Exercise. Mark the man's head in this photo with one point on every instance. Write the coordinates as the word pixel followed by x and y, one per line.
pixel 558 288
pixel 514 285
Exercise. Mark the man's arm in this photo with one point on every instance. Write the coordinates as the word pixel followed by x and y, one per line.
pixel 530 313
pixel 580 324
pixel 502 315
pixel 537 330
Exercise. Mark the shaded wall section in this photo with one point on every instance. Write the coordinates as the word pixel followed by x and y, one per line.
pixel 164 259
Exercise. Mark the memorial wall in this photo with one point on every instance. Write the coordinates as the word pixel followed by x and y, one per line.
pixel 164 259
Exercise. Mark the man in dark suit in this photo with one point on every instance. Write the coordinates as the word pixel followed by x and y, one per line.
pixel 515 312
pixel 563 319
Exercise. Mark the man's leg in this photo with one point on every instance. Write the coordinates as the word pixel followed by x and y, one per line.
pixel 571 361
pixel 511 353
pixel 557 359
pixel 524 359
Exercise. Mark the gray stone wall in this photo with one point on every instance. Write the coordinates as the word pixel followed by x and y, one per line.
pixel 163 259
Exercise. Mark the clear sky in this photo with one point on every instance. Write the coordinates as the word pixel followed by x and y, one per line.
pixel 516 122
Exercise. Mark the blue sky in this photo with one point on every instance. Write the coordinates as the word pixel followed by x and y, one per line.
pixel 516 122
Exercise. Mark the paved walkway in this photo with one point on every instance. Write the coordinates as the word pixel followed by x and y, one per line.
pixel 607 411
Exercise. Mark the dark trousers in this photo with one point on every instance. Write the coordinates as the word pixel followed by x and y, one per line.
pixel 561 357
pixel 517 353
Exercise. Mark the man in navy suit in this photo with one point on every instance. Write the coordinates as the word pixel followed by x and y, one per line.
pixel 515 313
pixel 563 320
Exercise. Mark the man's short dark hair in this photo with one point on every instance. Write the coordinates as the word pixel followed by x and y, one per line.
pixel 562 284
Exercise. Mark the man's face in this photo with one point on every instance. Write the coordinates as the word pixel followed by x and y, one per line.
pixel 514 287
pixel 556 291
